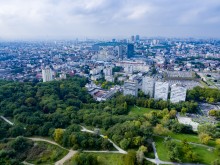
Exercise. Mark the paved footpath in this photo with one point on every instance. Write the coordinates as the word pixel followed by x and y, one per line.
pixel 9 122
pixel 116 146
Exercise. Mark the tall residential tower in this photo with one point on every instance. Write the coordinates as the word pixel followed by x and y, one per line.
pixel 161 90
pixel 47 74
pixel 148 85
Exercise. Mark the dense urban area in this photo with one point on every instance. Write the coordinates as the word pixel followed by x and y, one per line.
pixel 136 101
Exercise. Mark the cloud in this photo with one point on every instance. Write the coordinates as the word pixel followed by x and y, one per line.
pixel 108 18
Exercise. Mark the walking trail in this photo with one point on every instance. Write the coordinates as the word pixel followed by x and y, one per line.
pixel 71 153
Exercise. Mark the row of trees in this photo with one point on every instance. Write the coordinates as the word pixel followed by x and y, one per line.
pixel 204 94
pixel 72 137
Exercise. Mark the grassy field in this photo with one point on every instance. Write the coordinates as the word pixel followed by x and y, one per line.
pixel 44 153
pixel 205 155
pixel 190 138
pixel 139 110
pixel 161 149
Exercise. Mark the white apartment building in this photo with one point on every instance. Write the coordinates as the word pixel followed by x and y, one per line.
pixel 47 74
pixel 108 71
pixel 148 85
pixel 130 88
pixel 178 93
pixel 161 90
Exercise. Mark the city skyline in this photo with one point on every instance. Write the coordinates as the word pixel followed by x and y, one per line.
pixel 52 19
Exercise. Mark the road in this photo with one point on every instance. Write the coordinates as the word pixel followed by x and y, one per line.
pixel 9 122
pixel 116 146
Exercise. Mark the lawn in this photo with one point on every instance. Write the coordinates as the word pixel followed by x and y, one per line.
pixel 110 159
pixel 139 110
pixel 161 149
pixel 205 155
pixel 190 138
pixel 45 153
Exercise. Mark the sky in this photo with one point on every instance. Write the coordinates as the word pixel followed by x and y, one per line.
pixel 68 19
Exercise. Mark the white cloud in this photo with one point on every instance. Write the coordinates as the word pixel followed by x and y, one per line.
pixel 76 18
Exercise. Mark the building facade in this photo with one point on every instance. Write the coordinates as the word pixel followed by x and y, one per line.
pixel 148 85
pixel 47 74
pixel 178 93
pixel 130 50
pixel 130 88
pixel 120 52
pixel 161 90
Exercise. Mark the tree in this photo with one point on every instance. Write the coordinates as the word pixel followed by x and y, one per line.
pixel 185 146
pixel 209 129
pixel 172 114
pixel 130 158
pixel 216 162
pixel 44 130
pixel 16 130
pixel 191 156
pixel 140 157
pixel 58 135
pixel 85 159
pixel 204 138
pixel 217 141
pixel 137 141
pixel 183 111
pixel 20 144
pixel 210 100
pixel 213 112
pixel 140 154
pixel 174 154
pixel 160 130
pixel 124 143
pixel 30 101
pixel 125 105
pixel 146 129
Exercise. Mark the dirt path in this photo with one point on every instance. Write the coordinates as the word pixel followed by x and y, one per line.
pixel 66 158
pixel 70 154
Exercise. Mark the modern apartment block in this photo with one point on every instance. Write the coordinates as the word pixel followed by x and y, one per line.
pixel 148 85
pixel 131 88
pixel 47 74
pixel 178 93
pixel 161 90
